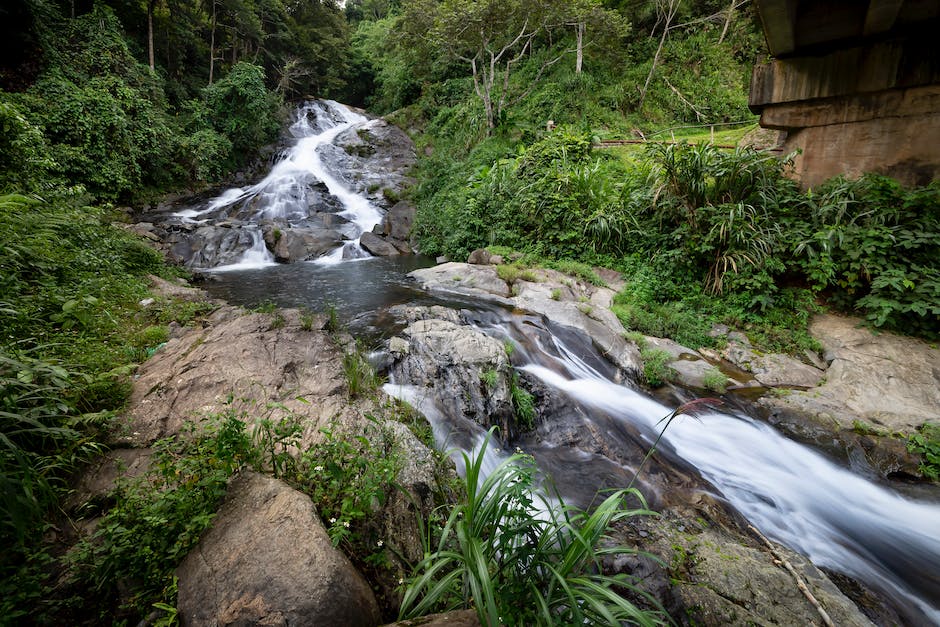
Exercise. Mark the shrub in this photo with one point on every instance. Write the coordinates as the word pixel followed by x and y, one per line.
pixel 243 110
pixel 656 368
pixel 526 563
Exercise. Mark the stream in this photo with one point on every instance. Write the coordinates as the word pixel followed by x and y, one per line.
pixel 793 494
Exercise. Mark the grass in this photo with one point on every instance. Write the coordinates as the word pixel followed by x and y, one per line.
pixel 520 568
pixel 727 137
pixel 656 368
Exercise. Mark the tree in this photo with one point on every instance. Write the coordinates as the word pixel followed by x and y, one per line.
pixel 491 36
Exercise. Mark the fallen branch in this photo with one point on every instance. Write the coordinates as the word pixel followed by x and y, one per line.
pixel 799 580
pixel 678 93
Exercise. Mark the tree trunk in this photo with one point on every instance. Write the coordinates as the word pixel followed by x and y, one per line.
pixel 580 55
pixel 728 16
pixel 671 9
pixel 212 45
pixel 150 4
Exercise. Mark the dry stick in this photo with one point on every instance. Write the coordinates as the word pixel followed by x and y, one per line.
pixel 799 580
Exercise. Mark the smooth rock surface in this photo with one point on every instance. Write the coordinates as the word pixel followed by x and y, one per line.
pixel 265 358
pixel 378 246
pixel 267 560
pixel 885 379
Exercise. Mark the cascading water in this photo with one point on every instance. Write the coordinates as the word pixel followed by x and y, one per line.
pixel 793 494
pixel 285 196
pixel 790 492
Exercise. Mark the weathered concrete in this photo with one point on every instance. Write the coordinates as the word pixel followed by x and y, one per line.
pixel 856 87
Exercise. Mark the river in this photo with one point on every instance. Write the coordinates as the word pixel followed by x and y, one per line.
pixel 790 492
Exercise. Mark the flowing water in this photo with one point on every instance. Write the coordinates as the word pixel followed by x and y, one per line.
pixel 789 491
pixel 285 193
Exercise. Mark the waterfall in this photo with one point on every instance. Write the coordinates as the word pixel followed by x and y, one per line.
pixel 285 195
pixel 788 491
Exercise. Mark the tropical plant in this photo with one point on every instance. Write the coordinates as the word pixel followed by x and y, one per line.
pixel 522 561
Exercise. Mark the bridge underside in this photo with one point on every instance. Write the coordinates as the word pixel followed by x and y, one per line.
pixel 855 85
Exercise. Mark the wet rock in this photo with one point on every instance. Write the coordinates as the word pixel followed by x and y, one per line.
pixel 208 246
pixel 711 575
pixel 397 225
pixel 446 361
pixel 297 244
pixel 320 200
pixel 590 313
pixel 373 158
pixel 377 246
pixel 266 560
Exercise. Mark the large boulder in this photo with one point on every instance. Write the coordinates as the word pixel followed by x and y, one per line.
pixel 885 380
pixel 208 246
pixel 445 360
pixel 374 158
pixel 377 246
pixel 255 359
pixel 772 369
pixel 293 244
pixel 267 560
pixel 553 295
pixel 710 574
pixel 398 222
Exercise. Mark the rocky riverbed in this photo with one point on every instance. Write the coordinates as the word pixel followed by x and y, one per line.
pixel 711 567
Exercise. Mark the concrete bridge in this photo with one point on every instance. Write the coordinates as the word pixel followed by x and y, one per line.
pixel 855 84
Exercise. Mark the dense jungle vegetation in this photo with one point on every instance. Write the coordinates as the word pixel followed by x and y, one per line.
pixel 111 104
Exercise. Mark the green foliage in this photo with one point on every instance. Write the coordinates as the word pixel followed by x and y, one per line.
pixel 656 367
pixel 361 377
pixel 349 476
pixel 926 443
pixel 578 269
pixel 25 162
pixel 523 403
pixel 871 246
pixel 715 380
pixel 523 563
pixel 159 517
pixel 243 110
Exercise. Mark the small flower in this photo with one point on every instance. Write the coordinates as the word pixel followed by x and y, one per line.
pixel 380 544
pixel 318 468
pixel 401 581
pixel 332 521
pixel 346 524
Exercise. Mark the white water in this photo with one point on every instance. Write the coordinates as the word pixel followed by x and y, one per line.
pixel 282 194
pixel 788 491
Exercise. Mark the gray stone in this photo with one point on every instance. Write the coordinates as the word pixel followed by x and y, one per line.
pixel 772 370
pixel 266 560
pixel 718 577
pixel 292 245
pixel 886 380
pixel 399 220
pixel 480 256
pixel 398 345
pixel 377 246
pixel 462 278
pixel 265 358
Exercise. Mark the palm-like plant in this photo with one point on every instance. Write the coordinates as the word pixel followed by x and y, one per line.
pixel 522 563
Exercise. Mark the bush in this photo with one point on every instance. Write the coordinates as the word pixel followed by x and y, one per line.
pixel 242 109
pixel 871 246
pixel 523 563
